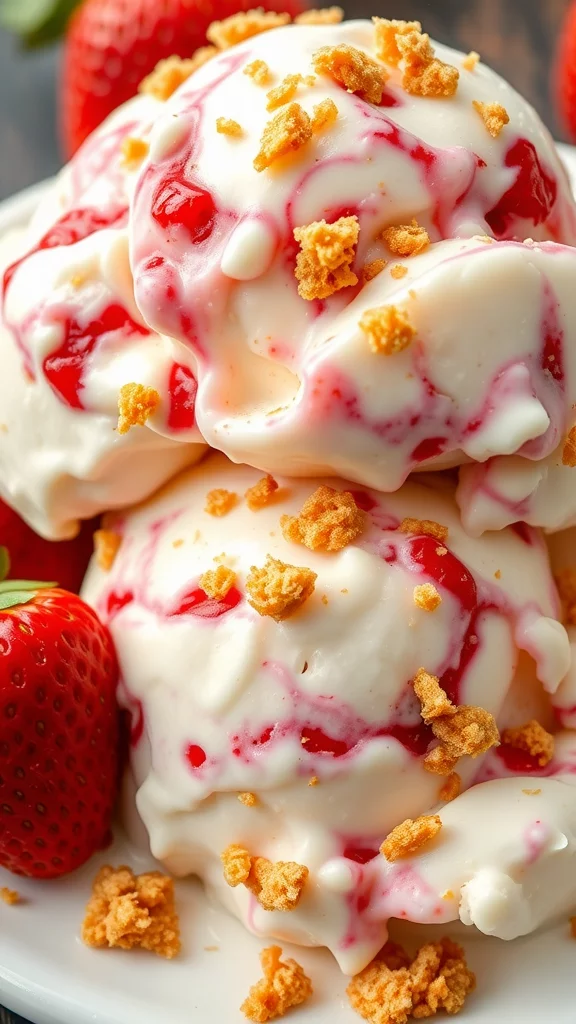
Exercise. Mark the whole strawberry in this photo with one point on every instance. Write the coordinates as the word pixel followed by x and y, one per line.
pixel 58 729
pixel 32 556
pixel 565 73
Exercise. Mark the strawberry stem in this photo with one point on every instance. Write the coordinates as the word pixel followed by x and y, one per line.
pixel 4 563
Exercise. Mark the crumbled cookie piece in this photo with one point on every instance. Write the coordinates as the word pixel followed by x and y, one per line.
pixel 532 792
pixel 381 995
pixel 533 739
pixel 469 730
pixel 433 699
pixel 470 60
pixel 388 329
pixel 329 520
pixel 227 126
pixel 169 74
pixel 323 115
pixel 441 760
pixel 408 837
pixel 129 911
pixel 372 269
pixel 133 151
pixel 258 71
pixel 236 862
pixel 136 403
pixel 289 130
pixel 217 582
pixel 398 271
pixel 283 986
pixel 284 92
pixel 327 251
pixel 277 589
pixel 406 239
pixel 322 16
pixel 451 788
pixel 9 896
pixel 386 31
pixel 262 493
pixel 314 781
pixel 106 545
pixel 219 502
pixel 569 449
pixel 423 74
pixel 248 799
pixel 494 115
pixel 427 597
pixel 573 927
pixel 427 526
pixel 244 25
pixel 566 583
pixel 277 885
pixel 353 69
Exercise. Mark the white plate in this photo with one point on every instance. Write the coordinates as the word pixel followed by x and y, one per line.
pixel 47 975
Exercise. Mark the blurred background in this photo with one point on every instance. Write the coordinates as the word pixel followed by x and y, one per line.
pixel 517 37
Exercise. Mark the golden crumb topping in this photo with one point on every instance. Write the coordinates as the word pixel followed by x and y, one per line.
pixel 372 269
pixel 133 151
pixel 327 251
pixel 324 114
pixel 467 730
pixel 427 597
pixel 433 699
pixel 284 92
pixel 423 74
pixel 451 788
pixel 217 582
pixel 9 896
pixel 236 862
pixel 132 911
pixel 323 16
pixel 494 115
pixel 532 792
pixel 219 502
pixel 398 271
pixel 276 885
pixel 244 25
pixel 427 526
pixel 353 69
pixel 329 520
pixel 387 328
pixel 277 589
pixel 248 799
pixel 470 60
pixel 289 130
pixel 569 449
pixel 136 403
pixel 533 739
pixel 106 545
pixel 408 837
pixel 386 31
pixel 227 126
pixel 566 582
pixel 314 781
pixel 262 493
pixel 258 71
pixel 406 239
pixel 283 986
pixel 169 74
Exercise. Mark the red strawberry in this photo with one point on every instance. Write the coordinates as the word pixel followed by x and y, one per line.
pixel 565 73
pixel 32 557
pixel 58 730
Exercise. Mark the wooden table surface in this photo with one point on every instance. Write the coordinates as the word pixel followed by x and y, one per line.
pixel 517 37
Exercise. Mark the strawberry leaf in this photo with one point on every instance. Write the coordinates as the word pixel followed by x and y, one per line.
pixel 4 563
pixel 14 592
pixel 38 22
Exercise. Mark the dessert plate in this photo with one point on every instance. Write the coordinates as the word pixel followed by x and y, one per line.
pixel 48 976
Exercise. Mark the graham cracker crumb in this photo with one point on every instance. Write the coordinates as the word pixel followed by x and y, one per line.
pixel 441 979
pixel 131 911
pixel 313 781
pixel 324 599
pixel 9 896
pixel 433 699
pixel 573 927
pixel 283 986
pixel 494 115
pixel 427 597
pixel 220 501
pixel 423 74
pixel 470 60
pixel 398 271
pixel 277 589
pixel 248 799
pixel 324 114
pixel 236 862
pixel 566 583
pixel 569 449
pixel 451 788
pixel 262 493
pixel 258 71
pixel 408 837
pixel 329 520
pixel 226 126
pixel 440 760
pixel 327 251
pixel 133 151
pixel 136 403
pixel 323 16
pixel 498 574
pixel 441 551
pixel 533 739
pixel 388 329
pixel 353 69
pixel 244 25
pixel 468 730
pixel 212 949
pixel 406 239
pixel 532 792
pixel 289 130
pixel 178 542
pixel 284 92
pixel 277 886
pixel 106 545
pixel 427 526
pixel 217 582
pixel 169 74
pixel 386 32
pixel 372 269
